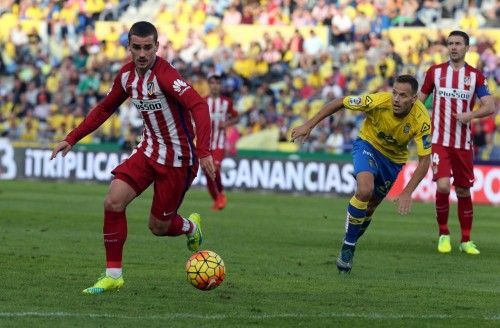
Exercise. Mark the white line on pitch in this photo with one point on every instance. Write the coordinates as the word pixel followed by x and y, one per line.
pixel 249 317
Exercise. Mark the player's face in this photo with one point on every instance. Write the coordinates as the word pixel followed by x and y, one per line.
pixel 403 98
pixel 457 48
pixel 215 87
pixel 143 50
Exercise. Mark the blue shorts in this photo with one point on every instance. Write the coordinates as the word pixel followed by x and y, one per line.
pixel 367 159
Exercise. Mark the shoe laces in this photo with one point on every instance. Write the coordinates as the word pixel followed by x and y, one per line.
pixel 470 244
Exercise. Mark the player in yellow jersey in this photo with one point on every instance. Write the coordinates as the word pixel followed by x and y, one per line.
pixel 392 120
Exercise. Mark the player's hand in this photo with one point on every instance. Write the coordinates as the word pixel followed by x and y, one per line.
pixel 404 203
pixel 63 147
pixel 300 133
pixel 208 166
pixel 464 118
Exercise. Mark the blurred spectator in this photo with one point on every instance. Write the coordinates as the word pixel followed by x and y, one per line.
pixel 430 12
pixel 335 142
pixel 312 48
pixel 247 17
pixel 341 25
pixel 321 12
pixel 231 16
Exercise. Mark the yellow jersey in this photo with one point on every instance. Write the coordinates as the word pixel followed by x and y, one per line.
pixel 389 134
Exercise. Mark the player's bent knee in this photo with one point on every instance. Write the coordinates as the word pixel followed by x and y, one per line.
pixel 364 194
pixel 462 192
pixel 443 190
pixel 114 205
pixel 443 186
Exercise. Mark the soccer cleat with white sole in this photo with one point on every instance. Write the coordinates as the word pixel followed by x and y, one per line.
pixel 344 260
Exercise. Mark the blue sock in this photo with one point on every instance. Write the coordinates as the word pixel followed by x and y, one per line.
pixel 356 213
pixel 364 226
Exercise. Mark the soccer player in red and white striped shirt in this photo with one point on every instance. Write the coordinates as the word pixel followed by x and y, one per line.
pixel 222 115
pixel 456 86
pixel 166 156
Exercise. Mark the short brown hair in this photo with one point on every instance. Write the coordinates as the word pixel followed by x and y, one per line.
pixel 464 35
pixel 410 80
pixel 143 29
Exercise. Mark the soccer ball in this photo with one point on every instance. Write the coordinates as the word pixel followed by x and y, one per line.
pixel 205 270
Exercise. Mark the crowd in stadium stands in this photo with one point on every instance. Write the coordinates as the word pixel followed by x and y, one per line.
pixel 51 78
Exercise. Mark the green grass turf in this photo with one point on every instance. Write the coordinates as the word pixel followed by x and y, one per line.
pixel 279 252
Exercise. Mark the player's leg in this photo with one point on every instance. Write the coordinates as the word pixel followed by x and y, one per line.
pixel 384 180
pixel 365 168
pixel 169 190
pixel 120 194
pixel 356 214
pixel 358 205
pixel 131 178
pixel 463 179
pixel 375 175
pixel 372 206
pixel 215 186
pixel 221 198
pixel 441 169
pixel 212 190
pixel 114 234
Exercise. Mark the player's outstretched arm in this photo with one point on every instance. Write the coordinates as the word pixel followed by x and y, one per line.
pixel 404 199
pixel 301 133
pixel 63 147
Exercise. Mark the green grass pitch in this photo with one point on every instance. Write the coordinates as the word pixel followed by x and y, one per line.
pixel 279 252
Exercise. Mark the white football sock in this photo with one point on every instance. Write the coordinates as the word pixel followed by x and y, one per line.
pixel 114 272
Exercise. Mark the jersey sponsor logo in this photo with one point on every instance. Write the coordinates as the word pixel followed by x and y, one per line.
pixel 387 138
pixel 147 105
pixel 425 127
pixel 454 93
pixel 354 101
pixel 407 128
pixel 368 100
pixel 180 86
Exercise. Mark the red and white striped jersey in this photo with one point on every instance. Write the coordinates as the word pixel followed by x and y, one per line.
pixel 455 92
pixel 221 109
pixel 167 104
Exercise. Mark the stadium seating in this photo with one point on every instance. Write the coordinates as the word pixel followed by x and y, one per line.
pixel 71 50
